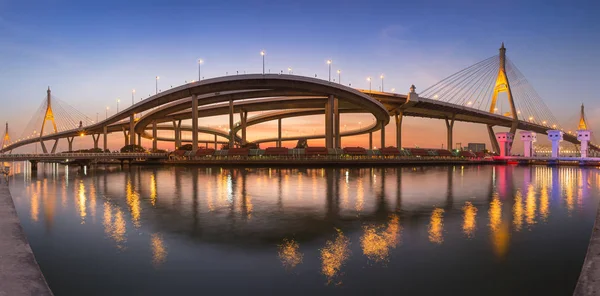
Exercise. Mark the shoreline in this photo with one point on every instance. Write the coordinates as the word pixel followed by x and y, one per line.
pixel 20 273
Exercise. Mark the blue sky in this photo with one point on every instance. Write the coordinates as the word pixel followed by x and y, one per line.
pixel 92 53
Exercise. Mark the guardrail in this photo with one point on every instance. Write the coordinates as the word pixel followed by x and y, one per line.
pixel 80 156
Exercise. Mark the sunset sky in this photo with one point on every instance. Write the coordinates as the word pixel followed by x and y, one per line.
pixel 91 53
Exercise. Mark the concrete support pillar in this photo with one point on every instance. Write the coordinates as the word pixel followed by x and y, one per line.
pixel 154 136
pixel 126 136
pixel 493 141
pixel 139 139
pixel 505 140
pixel 528 139
pixel 382 124
pixel 584 137
pixel 231 123
pixel 450 128
pixel 70 140
pixel 398 118
pixel 243 120
pixel 105 132
pixel 96 138
pixel 176 134
pixel 371 140
pixel 216 142
pixel 555 136
pixel 279 132
pixel 336 116
pixel 329 122
pixel 44 150
pixel 194 124
pixel 54 147
pixel 131 129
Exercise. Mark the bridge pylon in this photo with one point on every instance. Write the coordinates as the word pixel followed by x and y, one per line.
pixel 6 138
pixel 503 85
pixel 48 116
pixel 584 135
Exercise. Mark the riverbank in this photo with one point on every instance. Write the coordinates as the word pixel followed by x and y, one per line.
pixel 589 278
pixel 19 271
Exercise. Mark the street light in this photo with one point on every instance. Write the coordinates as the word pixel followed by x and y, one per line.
pixel 132 95
pixel 339 76
pixel 263 53
pixel 369 80
pixel 157 78
pixel 329 63
pixel 290 70
pixel 200 61
pixel 118 101
pixel 381 76
pixel 393 89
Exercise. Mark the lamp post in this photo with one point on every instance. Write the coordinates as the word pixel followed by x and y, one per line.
pixel 263 53
pixel 132 96
pixel 118 101
pixel 369 80
pixel 329 64
pixel 200 61
pixel 339 76
pixel 381 82
pixel 157 78
pixel 289 70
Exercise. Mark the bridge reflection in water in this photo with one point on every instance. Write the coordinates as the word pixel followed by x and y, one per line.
pixel 338 231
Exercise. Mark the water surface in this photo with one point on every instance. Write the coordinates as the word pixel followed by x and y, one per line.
pixel 472 230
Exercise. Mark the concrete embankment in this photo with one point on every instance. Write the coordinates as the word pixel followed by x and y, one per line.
pixel 19 272
pixel 322 162
pixel 589 278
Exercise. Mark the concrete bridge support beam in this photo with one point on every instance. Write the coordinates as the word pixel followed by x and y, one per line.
pixel 33 165
pixel 194 125
pixel 555 136
pixel 584 137
pixel 177 132
pixel 398 118
pixel 126 136
pixel 154 136
pixel 215 142
pixel 382 124
pixel 131 130
pixel 336 116
pixel 139 139
pixel 493 141
pixel 105 131
pixel 505 140
pixel 450 128
pixel 279 132
pixel 329 122
pixel 528 139
pixel 230 133
pixel 44 150
pixel 243 120
pixel 96 138
pixel 54 146
pixel 70 140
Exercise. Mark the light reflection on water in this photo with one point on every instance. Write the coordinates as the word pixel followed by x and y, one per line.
pixel 353 227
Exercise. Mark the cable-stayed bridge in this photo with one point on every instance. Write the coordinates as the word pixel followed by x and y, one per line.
pixel 493 93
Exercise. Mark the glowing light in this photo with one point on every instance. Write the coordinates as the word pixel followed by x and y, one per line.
pixel 328 62
pixel 495 213
pixel 159 251
pixel 544 209
pixel 436 226
pixel 133 201
pixel 262 53
pixel 368 78
pixel 82 134
pixel 530 206
pixel 333 256
pixel 469 103
pixel 530 118
pixel 376 243
pixel 469 222
pixel 339 71
pixel 153 191
pixel 393 90
pixel 81 202
pixel 381 76
pixel 289 254
pixel 200 61
pixel 518 211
